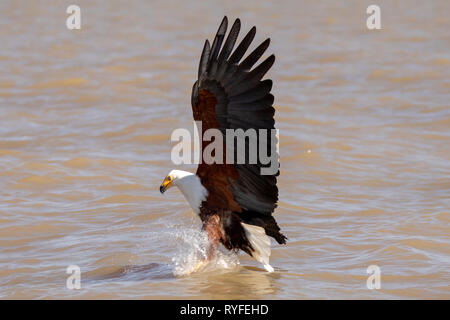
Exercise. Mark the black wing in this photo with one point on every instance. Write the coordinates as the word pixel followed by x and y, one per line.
pixel 235 95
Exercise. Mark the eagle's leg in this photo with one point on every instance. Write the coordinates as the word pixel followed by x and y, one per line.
pixel 212 227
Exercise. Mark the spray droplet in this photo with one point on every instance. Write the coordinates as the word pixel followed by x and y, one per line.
pixel 193 251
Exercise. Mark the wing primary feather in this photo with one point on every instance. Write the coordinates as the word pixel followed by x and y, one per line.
pixel 265 103
pixel 194 95
pixel 230 42
pixel 204 59
pixel 254 94
pixel 243 46
pixel 217 43
pixel 253 57
pixel 261 69
pixel 246 65
pixel 252 78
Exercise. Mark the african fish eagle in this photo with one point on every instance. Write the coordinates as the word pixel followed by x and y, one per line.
pixel 235 202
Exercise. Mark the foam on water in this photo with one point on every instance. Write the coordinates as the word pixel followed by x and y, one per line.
pixel 192 247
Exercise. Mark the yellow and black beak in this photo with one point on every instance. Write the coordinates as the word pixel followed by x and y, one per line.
pixel 167 183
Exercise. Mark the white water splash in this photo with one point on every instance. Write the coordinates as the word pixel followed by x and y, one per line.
pixel 192 247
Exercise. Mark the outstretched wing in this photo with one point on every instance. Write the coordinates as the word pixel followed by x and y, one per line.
pixel 229 94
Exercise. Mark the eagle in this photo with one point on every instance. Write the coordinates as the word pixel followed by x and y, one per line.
pixel 234 201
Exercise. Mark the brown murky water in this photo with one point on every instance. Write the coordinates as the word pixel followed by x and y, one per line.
pixel 85 124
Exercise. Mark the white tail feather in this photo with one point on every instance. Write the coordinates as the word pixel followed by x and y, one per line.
pixel 260 243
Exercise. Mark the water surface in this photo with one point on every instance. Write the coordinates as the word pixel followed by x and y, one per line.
pixel 85 124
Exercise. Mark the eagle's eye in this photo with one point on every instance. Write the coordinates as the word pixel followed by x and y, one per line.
pixel 169 178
